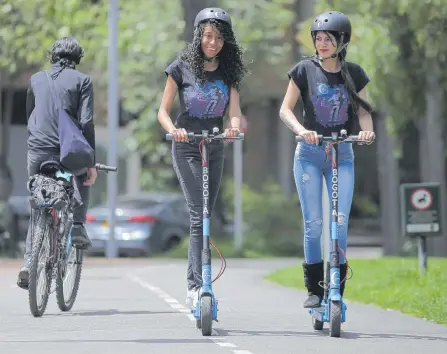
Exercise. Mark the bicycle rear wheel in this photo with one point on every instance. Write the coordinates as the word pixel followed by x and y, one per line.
pixel 41 267
pixel 69 276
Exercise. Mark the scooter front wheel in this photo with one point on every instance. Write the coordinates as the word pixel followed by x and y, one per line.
pixel 335 319
pixel 206 315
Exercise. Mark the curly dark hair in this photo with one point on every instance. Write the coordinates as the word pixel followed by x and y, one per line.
pixel 230 57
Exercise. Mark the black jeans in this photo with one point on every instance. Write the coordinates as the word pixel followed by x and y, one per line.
pixel 187 163
pixel 81 198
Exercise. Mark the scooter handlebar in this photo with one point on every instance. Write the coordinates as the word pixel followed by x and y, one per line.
pixel 342 139
pixel 191 136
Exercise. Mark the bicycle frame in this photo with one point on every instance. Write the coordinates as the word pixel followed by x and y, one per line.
pixel 58 224
pixel 69 178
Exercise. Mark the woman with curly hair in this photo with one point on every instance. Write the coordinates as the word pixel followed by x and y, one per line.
pixel 207 75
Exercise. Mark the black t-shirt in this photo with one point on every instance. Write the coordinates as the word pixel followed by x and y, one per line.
pixel 325 99
pixel 202 106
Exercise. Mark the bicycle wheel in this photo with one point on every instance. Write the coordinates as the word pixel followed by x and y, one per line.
pixel 41 267
pixel 68 276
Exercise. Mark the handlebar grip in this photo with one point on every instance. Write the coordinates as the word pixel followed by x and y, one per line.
pixel 300 139
pixel 240 136
pixel 171 137
pixel 101 167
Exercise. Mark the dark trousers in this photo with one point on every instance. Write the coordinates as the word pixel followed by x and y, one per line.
pixel 187 163
pixel 81 199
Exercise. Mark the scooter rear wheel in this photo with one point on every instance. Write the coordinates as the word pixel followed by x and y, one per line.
pixel 317 325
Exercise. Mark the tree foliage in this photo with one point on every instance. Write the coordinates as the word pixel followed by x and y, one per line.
pixel 28 28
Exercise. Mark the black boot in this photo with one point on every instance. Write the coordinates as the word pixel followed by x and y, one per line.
pixel 79 237
pixel 313 275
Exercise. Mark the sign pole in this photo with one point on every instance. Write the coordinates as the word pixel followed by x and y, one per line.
pixel 422 254
pixel 113 117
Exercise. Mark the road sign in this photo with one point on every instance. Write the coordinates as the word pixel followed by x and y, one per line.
pixel 421 209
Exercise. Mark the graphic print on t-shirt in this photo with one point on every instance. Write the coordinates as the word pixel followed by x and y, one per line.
pixel 331 104
pixel 207 100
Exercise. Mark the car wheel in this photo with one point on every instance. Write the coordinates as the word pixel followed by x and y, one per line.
pixel 171 243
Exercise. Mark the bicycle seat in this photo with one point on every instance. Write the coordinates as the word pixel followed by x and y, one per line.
pixel 50 166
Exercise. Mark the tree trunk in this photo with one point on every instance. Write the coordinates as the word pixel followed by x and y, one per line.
pixel 388 188
pixel 431 149
pixel 190 10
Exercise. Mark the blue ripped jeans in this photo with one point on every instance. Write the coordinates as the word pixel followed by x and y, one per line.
pixel 311 163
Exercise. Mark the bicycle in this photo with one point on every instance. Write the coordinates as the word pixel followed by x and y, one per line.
pixel 332 309
pixel 206 311
pixel 52 196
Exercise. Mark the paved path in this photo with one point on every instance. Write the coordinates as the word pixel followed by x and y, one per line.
pixel 136 306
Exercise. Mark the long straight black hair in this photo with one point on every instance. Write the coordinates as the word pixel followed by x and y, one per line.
pixel 354 97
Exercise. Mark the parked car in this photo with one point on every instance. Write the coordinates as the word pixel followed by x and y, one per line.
pixel 146 224
pixel 9 232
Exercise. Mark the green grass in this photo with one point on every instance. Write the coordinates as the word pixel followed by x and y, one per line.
pixel 390 283
pixel 225 247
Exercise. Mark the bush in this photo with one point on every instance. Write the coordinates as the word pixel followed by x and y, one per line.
pixel 272 221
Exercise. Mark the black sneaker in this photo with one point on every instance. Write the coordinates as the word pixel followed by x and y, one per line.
pixel 79 237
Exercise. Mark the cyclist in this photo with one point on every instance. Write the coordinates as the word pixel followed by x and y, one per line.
pixel 333 91
pixel 75 91
pixel 207 75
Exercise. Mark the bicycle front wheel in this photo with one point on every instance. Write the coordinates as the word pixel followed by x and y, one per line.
pixel 41 267
pixel 69 277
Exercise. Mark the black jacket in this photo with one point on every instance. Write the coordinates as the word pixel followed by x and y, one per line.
pixel 75 92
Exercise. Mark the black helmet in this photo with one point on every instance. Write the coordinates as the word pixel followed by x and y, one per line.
pixel 333 21
pixel 212 13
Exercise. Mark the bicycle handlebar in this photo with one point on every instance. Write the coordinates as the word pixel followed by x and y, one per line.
pixel 191 136
pixel 101 167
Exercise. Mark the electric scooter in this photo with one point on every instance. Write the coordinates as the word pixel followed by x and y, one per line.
pixel 206 310
pixel 332 309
